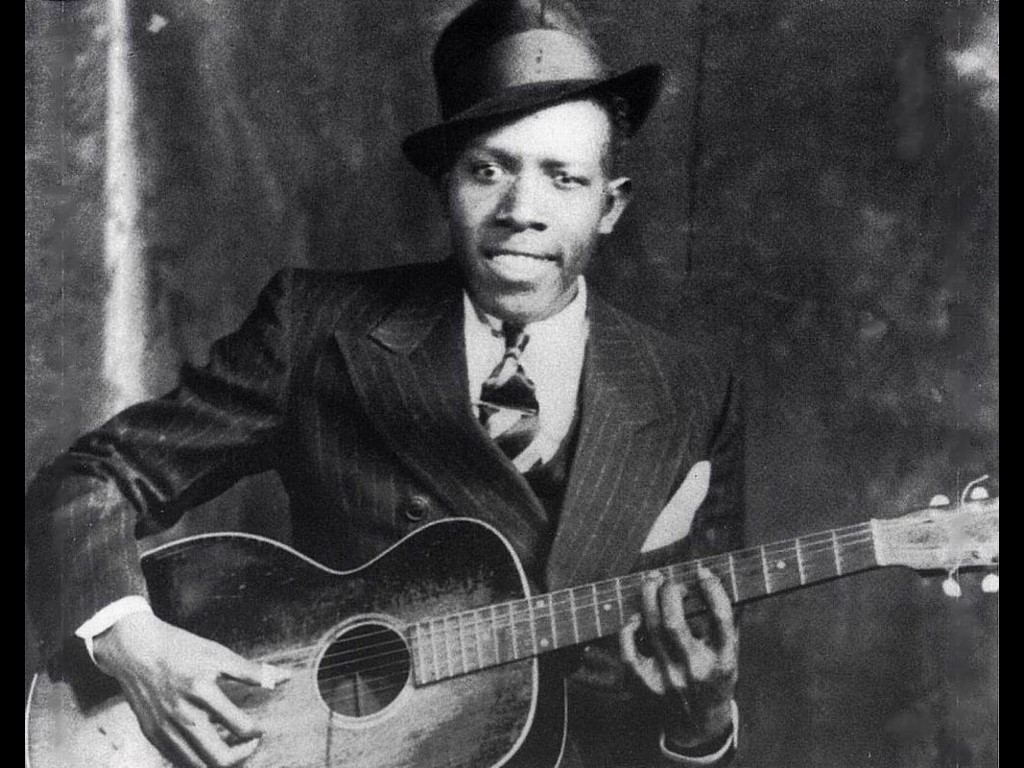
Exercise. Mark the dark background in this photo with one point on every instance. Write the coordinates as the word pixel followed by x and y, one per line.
pixel 820 173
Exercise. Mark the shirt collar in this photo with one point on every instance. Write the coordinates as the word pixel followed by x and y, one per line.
pixel 567 323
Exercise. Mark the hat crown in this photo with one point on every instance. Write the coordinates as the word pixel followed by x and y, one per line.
pixel 502 58
pixel 494 45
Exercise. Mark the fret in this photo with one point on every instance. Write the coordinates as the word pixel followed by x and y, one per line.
pixel 561 618
pixel 764 570
pixel 800 562
pixel 417 653
pixel 458 659
pixel 630 603
pixel 551 616
pixel 540 613
pixel 749 574
pixel 459 619
pixel 478 620
pixel 575 623
pixel 835 550
pixel 597 610
pixel 446 671
pixel 532 622
pixel 427 659
pixel 781 567
pixel 586 615
pixel 522 629
pixel 473 639
pixel 492 636
pixel 504 636
pixel 732 579
pixel 611 622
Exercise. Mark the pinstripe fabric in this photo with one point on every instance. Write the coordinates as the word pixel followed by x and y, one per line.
pixel 353 388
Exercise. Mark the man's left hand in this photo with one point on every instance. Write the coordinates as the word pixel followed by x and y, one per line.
pixel 694 676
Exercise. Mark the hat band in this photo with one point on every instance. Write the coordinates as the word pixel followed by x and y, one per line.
pixel 533 56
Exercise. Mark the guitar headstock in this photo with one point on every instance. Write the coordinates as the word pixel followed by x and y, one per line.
pixel 943 537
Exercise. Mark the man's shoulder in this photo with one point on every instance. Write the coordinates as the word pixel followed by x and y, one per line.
pixel 319 296
pixel 706 349
pixel 383 283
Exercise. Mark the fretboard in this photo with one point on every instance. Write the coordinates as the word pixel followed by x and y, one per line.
pixel 459 643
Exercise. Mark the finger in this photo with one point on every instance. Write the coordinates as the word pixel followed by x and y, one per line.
pixel 726 637
pixel 201 734
pixel 673 617
pixel 175 748
pixel 652 613
pixel 240 668
pixel 643 666
pixel 225 711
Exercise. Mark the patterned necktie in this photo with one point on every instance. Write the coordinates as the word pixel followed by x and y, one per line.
pixel 508 401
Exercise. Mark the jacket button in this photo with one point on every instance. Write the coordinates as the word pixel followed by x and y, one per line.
pixel 415 508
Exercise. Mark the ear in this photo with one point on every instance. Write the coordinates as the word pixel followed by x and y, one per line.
pixel 617 193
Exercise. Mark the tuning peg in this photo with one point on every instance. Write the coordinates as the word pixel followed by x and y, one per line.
pixel 939 501
pixel 973 492
pixel 951 587
pixel 990 584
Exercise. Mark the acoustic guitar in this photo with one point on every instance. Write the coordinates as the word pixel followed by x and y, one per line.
pixel 434 653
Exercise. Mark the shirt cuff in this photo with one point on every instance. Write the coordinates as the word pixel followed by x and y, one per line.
pixel 730 746
pixel 109 615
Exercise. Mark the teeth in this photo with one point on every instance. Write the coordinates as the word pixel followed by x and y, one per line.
pixel 516 265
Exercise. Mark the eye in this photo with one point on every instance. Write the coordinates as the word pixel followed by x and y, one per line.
pixel 486 171
pixel 565 180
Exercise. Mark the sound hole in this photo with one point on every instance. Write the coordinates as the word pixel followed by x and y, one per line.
pixel 363 670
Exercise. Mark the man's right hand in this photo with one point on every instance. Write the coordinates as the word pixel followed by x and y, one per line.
pixel 169 677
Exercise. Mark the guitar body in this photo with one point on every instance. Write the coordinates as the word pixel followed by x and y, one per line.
pixel 353 699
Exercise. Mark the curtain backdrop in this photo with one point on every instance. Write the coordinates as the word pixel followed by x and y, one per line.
pixel 821 174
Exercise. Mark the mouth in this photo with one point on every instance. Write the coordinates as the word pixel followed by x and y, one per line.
pixel 512 265
pixel 493 254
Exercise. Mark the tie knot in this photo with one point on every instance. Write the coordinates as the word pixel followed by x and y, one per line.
pixel 515 336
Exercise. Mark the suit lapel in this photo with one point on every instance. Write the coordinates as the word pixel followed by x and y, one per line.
pixel 628 454
pixel 409 370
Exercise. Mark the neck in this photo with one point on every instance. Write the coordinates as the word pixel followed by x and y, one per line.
pixel 452 645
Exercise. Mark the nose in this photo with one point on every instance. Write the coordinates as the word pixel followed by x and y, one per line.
pixel 521 207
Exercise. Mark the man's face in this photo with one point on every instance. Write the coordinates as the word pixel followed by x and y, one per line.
pixel 527 203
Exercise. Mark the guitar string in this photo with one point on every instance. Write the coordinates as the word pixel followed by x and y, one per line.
pixel 743 565
pixel 406 667
pixel 518 617
pixel 395 681
pixel 522 613
pixel 465 651
pixel 472 649
pixel 745 562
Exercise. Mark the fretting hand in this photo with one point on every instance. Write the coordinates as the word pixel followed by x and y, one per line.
pixel 694 676
pixel 169 677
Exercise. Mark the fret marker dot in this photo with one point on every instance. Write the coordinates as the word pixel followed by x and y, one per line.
pixel 781 565
pixel 540 603
pixel 607 606
pixel 543 642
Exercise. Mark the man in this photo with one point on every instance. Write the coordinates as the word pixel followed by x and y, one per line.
pixel 491 386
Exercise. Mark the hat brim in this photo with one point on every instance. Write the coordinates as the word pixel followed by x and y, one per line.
pixel 431 150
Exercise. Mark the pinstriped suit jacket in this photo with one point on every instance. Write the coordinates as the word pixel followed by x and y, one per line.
pixel 353 388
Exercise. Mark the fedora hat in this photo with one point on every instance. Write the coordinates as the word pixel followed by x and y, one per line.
pixel 499 59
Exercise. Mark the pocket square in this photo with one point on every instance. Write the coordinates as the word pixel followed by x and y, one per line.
pixel 676 518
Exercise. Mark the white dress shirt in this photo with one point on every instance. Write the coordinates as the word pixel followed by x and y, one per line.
pixel 552 359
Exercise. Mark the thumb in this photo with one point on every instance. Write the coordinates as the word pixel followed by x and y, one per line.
pixel 251 672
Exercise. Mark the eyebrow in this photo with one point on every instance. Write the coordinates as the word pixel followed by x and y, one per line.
pixel 510 159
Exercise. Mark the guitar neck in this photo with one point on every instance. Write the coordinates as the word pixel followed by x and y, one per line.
pixel 459 643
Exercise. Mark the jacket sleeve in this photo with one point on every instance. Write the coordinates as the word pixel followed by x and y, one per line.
pixel 138 473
